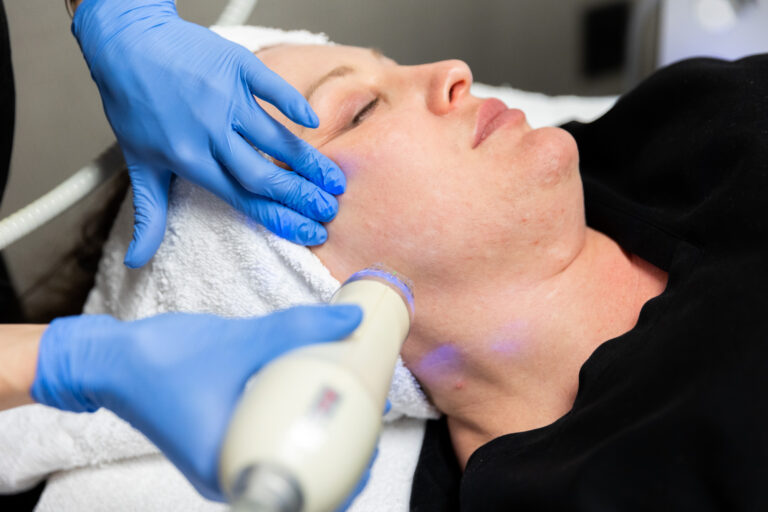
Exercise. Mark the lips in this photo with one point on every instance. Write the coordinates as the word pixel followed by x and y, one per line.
pixel 492 114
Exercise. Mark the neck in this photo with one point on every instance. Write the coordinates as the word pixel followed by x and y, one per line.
pixel 498 355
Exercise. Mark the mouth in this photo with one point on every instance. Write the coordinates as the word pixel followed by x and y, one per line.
pixel 491 115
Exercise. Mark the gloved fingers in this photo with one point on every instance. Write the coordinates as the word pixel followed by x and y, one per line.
pixel 302 325
pixel 273 138
pixel 150 205
pixel 285 222
pixel 279 219
pixel 269 86
pixel 262 177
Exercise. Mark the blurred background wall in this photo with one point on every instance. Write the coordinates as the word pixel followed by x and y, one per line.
pixel 552 46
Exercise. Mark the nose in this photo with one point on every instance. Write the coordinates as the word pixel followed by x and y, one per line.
pixel 449 82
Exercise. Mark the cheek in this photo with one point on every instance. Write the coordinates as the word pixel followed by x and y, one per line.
pixel 388 166
pixel 391 211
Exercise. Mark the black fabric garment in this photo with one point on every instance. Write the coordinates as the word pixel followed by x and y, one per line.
pixel 672 415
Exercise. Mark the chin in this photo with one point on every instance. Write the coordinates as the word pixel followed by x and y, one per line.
pixel 553 154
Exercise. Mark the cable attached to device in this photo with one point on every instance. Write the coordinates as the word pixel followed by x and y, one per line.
pixel 54 203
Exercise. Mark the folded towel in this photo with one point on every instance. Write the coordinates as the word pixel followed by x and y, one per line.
pixel 212 260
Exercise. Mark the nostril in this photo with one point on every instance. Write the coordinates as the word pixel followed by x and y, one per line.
pixel 450 93
pixel 454 90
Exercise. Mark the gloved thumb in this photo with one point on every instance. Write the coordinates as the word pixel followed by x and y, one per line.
pixel 302 325
pixel 272 335
pixel 150 207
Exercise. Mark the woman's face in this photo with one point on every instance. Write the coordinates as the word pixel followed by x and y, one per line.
pixel 423 197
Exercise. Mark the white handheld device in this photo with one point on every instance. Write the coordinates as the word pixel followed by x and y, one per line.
pixel 306 427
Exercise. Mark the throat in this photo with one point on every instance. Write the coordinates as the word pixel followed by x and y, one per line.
pixel 511 361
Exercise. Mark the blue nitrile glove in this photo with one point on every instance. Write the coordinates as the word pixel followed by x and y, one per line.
pixel 175 377
pixel 180 100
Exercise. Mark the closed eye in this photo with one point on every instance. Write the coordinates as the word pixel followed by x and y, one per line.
pixel 360 117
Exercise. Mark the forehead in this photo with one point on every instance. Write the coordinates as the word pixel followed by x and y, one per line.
pixel 299 65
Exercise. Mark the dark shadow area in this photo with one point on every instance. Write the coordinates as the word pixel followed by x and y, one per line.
pixel 22 502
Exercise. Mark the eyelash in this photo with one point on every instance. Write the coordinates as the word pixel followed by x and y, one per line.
pixel 360 117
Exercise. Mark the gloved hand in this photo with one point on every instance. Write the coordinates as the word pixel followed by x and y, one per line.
pixel 175 377
pixel 180 100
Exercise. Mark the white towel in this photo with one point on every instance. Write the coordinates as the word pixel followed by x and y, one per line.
pixel 151 483
pixel 212 260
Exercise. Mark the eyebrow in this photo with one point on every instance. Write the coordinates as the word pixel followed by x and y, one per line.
pixel 337 72
pixel 334 73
